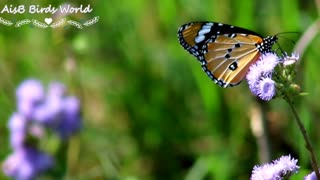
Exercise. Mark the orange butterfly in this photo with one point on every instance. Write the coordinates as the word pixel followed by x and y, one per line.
pixel 225 52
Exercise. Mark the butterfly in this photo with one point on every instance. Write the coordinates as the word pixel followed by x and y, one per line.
pixel 224 51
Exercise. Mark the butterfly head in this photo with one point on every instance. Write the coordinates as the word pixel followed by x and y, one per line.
pixel 266 45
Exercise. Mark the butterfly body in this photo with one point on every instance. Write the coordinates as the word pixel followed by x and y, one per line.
pixel 224 51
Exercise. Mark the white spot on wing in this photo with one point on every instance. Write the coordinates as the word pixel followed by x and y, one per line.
pixel 206 27
pixel 199 38
pixel 204 31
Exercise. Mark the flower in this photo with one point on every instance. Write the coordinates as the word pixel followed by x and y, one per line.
pixel 39 112
pixel 265 89
pixel 311 176
pixel 26 163
pixel 268 62
pixel 48 112
pixel 31 90
pixel 259 76
pixel 18 127
pixel 265 172
pixel 71 119
pixel 289 60
pixel 286 164
pixel 278 169
pixel 264 66
pixel 60 113
pixel 29 94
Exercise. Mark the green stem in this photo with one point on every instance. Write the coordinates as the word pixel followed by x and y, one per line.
pixel 305 136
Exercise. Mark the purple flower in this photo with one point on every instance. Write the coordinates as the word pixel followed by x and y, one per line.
pixel 39 111
pixel 265 89
pixel 29 94
pixel 51 108
pixel 48 112
pixel 286 164
pixel 268 62
pixel 289 60
pixel 30 90
pixel 259 76
pixel 71 117
pixel 311 176
pixel 18 127
pixel 280 168
pixel 26 163
pixel 59 112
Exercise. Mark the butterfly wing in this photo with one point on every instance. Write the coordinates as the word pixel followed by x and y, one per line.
pixel 192 36
pixel 228 59
pixel 225 52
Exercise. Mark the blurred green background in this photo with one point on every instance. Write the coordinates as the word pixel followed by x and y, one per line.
pixel 149 110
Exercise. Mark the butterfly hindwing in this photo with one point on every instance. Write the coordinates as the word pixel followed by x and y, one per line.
pixel 228 59
pixel 225 52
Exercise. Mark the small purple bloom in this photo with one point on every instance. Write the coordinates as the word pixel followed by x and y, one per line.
pixel 29 94
pixel 39 111
pixel 268 62
pixel 71 118
pixel 26 164
pixel 264 172
pixel 266 89
pixel 286 164
pixel 311 176
pixel 31 90
pixel 26 108
pixel 18 127
pixel 282 167
pixel 61 114
pixel 259 76
pixel 289 60
pixel 264 66
pixel 48 112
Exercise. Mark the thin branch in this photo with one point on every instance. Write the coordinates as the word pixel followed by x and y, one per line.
pixel 305 136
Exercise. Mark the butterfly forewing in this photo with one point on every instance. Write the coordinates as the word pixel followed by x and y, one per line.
pixel 225 52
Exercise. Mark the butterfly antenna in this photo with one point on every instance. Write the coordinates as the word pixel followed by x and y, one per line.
pixel 281 50
pixel 284 37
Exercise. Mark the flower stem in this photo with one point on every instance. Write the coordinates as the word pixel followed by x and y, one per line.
pixel 305 136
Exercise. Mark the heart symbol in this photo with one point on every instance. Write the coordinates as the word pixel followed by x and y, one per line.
pixel 48 20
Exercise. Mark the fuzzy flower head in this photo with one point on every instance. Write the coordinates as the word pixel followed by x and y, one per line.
pixel 39 109
pixel 311 176
pixel 18 126
pixel 60 112
pixel 26 163
pixel 265 89
pixel 39 112
pixel 290 60
pixel 283 167
pixel 259 76
pixel 29 94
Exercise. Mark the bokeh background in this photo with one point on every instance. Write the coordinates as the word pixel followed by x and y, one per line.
pixel 149 110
